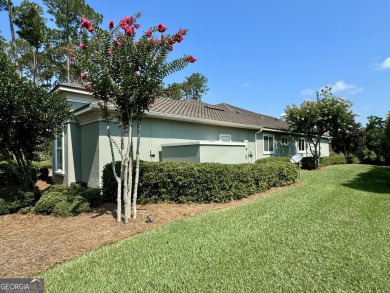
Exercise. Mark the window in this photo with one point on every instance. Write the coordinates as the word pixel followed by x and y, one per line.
pixel 269 144
pixel 58 155
pixel 225 137
pixel 284 140
pixel 301 145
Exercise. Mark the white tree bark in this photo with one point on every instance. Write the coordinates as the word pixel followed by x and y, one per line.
pixel 137 161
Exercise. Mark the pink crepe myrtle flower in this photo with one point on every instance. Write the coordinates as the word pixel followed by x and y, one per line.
pixel 130 31
pixel 91 29
pixel 111 25
pixel 191 59
pixel 161 28
pixel 72 59
pixel 85 23
pixel 109 53
pixel 170 48
pixel 83 76
pixel 182 32
pixel 137 25
pixel 83 46
pixel 117 43
pixel 179 38
pixel 148 33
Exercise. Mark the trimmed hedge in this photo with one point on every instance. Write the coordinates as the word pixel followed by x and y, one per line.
pixel 308 162
pixel 14 198
pixel 183 182
pixel 273 160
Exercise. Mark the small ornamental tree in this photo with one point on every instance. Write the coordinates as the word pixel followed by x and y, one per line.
pixel 313 119
pixel 125 74
pixel 29 117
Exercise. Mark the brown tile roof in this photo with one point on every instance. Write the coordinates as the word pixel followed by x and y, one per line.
pixel 219 112
pixel 200 110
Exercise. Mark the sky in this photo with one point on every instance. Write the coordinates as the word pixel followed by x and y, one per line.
pixel 265 55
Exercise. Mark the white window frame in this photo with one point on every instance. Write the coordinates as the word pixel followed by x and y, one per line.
pixel 304 145
pixel 222 136
pixel 59 168
pixel 269 152
pixel 284 138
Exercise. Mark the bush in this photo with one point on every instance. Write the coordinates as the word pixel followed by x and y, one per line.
pixel 332 160
pixel 27 210
pixel 272 160
pixel 202 182
pixel 61 204
pixel 307 163
pixel 14 198
pixel 9 178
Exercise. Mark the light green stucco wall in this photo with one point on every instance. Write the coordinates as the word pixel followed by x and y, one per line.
pixel 89 155
pixel 187 153
pixel 223 154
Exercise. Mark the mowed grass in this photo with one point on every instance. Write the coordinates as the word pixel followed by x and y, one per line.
pixel 330 234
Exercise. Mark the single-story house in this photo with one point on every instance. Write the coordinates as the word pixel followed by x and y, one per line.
pixel 173 130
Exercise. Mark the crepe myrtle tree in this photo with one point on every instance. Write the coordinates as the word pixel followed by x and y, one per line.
pixel 313 119
pixel 125 73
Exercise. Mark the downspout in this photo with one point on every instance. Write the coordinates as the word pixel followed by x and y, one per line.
pixel 261 129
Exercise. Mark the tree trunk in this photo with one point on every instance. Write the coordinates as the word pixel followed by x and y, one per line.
pixel 12 29
pixel 68 64
pixel 118 178
pixel 36 74
pixel 129 171
pixel 137 162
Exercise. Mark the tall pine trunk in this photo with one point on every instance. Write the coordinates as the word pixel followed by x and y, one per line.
pixel 13 38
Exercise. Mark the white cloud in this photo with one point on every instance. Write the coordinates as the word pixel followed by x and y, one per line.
pixel 385 64
pixel 307 92
pixel 338 86
pixel 246 85
pixel 341 86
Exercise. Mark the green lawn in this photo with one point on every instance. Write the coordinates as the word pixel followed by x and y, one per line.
pixel 330 234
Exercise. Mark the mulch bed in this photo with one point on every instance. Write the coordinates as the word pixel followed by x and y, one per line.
pixel 30 244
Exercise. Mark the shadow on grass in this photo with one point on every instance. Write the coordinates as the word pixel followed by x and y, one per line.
pixel 376 180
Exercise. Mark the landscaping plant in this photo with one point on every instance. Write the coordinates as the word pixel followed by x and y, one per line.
pixel 125 74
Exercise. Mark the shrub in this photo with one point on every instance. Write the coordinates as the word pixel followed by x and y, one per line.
pixel 353 160
pixel 27 210
pixel 14 198
pixel 272 160
pixel 9 178
pixel 93 195
pixel 308 163
pixel 109 183
pixel 332 160
pixel 61 204
pixel 202 182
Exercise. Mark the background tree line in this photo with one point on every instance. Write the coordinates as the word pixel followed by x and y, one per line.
pixel 332 116
pixel 43 54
